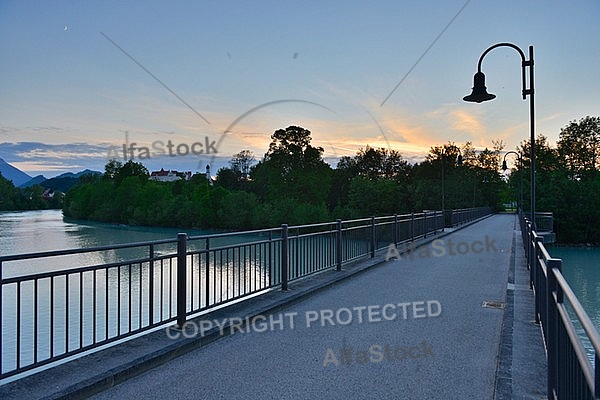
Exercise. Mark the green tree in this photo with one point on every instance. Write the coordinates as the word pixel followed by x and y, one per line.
pixel 579 147
pixel 292 168
pixel 132 169
pixel 242 162
pixel 111 169
pixel 8 194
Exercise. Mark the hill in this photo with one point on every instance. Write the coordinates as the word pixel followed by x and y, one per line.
pixel 66 181
pixel 36 180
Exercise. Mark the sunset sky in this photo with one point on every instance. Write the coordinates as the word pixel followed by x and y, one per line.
pixel 68 93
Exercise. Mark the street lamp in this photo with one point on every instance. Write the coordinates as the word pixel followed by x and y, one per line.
pixel 459 162
pixel 480 94
pixel 505 167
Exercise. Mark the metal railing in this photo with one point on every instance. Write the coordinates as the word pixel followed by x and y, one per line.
pixel 571 374
pixel 69 309
pixel 461 216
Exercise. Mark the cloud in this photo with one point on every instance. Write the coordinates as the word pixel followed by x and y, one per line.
pixel 465 121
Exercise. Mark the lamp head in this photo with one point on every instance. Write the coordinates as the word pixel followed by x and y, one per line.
pixel 479 93
pixel 504 166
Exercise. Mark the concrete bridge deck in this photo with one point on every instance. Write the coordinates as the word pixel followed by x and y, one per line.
pixel 453 322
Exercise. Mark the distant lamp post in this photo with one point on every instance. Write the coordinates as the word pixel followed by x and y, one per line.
pixel 505 167
pixel 480 94
pixel 459 161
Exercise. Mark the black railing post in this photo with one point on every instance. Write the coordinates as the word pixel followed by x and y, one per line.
pixel 207 272
pixel 443 219
pixel 529 254
pixel 395 229
pixel 424 224
pixel 412 226
pixel 372 237
pixel 270 263
pixel 151 286
pixel 536 273
pixel 338 245
pixel 284 257
pixel 552 321
pixel 181 278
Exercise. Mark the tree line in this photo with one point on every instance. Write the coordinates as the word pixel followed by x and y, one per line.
pixel 30 198
pixel 567 180
pixel 293 184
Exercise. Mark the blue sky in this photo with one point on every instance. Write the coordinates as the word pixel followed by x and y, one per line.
pixel 67 93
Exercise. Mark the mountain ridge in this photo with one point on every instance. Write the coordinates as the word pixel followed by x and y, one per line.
pixel 13 174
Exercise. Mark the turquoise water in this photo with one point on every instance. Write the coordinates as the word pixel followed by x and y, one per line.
pixel 581 269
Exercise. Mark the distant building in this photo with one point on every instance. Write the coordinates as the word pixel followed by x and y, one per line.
pixel 48 194
pixel 208 177
pixel 170 175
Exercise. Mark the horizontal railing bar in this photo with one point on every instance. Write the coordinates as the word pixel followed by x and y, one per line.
pixel 545 254
pixel 66 252
pixel 229 234
pixel 353 221
pixel 232 246
pixel 312 234
pixel 312 225
pixel 72 271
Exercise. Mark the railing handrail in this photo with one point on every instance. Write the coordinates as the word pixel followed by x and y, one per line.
pixel 569 374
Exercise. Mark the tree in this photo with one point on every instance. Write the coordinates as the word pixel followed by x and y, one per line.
pixel 292 168
pixel 8 194
pixel 546 157
pixel 379 163
pixel 242 162
pixel 132 169
pixel 228 178
pixel 111 169
pixel 579 146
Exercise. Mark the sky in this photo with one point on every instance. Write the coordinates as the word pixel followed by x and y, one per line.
pixel 80 79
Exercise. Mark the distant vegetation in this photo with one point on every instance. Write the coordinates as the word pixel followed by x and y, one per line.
pixel 38 193
pixel 30 198
pixel 567 180
pixel 291 184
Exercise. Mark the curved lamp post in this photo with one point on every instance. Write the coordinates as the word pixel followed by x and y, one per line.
pixel 505 167
pixel 480 94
